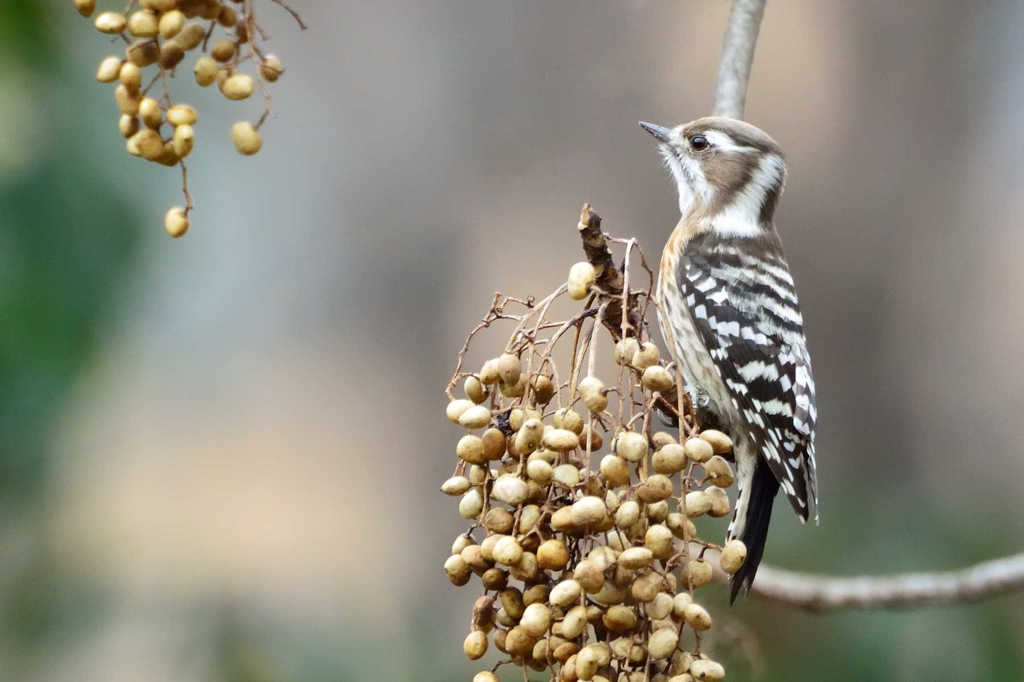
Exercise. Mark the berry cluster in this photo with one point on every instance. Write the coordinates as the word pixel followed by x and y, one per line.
pixel 160 33
pixel 581 510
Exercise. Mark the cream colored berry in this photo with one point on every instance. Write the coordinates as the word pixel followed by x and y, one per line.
pixel 485 676
pixel 560 440
pixel 223 50
pixel 456 485
pixel 719 442
pixel 589 511
pixel 489 372
pixel 615 470
pixel 660 607
pixel 475 389
pixel 509 368
pixel 719 471
pixel 646 356
pixel 127 101
pixel 271 68
pixel 625 349
pixel 110 22
pixel 456 407
pixel 662 643
pixel 670 459
pixel 471 449
pixel 238 86
pixel 582 276
pixel 539 470
pixel 151 147
pixel 619 618
pixel 109 69
pixel 457 570
pixel 516 390
pixel 720 505
pixel 657 378
pixel 733 555
pixel 698 449
pixel 697 617
pixel 471 504
pixel 593 392
pixel 507 551
pixel 510 489
pixel 130 76
pixel 659 540
pixel 170 24
pixel 656 488
pixel 631 446
pixel 150 113
pixel 127 125
pixel 182 114
pixel 704 669
pixel 697 573
pixel 536 619
pixel 143 24
pixel 567 475
pixel 586 665
pixel 627 514
pixel 552 555
pixel 696 503
pixel 476 417
pixel 636 557
pixel 475 645
pixel 662 438
pixel 205 71
pixel 190 36
pixel 176 222
pixel 565 593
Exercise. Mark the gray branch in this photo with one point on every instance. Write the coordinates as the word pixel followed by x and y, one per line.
pixel 737 55
pixel 819 593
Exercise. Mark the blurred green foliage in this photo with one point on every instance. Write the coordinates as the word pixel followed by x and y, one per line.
pixel 67 241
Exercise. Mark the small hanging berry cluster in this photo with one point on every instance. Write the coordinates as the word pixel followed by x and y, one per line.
pixel 160 33
pixel 588 558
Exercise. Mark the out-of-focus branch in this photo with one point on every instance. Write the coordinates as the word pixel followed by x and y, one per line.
pixel 737 55
pixel 821 594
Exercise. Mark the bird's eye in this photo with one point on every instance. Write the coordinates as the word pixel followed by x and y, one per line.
pixel 699 142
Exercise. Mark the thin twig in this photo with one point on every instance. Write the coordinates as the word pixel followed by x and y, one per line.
pixel 295 15
pixel 737 55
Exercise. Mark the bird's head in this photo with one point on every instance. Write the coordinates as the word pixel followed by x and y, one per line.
pixel 729 173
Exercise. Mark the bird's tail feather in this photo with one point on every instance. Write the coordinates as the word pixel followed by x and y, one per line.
pixel 753 528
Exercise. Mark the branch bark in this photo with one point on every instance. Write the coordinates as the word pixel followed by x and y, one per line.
pixel 737 55
pixel 820 594
pixel 609 276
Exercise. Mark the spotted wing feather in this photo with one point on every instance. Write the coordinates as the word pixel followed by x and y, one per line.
pixel 744 307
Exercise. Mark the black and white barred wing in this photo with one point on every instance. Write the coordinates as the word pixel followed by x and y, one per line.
pixel 747 314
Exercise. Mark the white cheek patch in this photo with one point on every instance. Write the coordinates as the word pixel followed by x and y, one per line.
pixel 742 217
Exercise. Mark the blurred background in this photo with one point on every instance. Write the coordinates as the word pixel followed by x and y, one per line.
pixel 219 456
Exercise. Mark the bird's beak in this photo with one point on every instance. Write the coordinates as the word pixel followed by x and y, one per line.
pixel 659 132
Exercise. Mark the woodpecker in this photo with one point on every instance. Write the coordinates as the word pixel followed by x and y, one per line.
pixel 728 308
